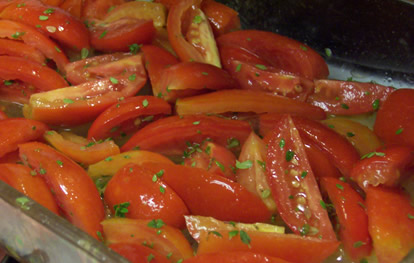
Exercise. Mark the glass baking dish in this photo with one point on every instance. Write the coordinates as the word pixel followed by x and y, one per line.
pixel 380 51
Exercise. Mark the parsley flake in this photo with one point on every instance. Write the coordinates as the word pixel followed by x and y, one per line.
pixel 134 48
pixel 197 20
pixel 103 34
pixel 376 104
pixel 244 237
pixel 156 223
pixel 244 165
pixel 358 244
pixel 113 80
pixel 232 143
pixel 49 11
pixel 399 131
pixel 238 68
pixel 132 77
pixel 121 209
pixel 289 155
pixel 84 53
pixel 43 18
pixel 145 103
pixel 262 67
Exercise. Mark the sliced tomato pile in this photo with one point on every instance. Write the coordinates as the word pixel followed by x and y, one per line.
pixel 168 132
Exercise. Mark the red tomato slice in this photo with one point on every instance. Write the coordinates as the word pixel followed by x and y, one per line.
pixel 353 220
pixel 53 22
pixel 83 103
pixel 147 195
pixel 347 97
pixel 98 9
pixel 19 49
pixel 16 91
pixel 138 253
pixel 234 257
pixel 30 36
pixel 15 131
pixel 190 33
pixel 395 119
pixel 209 194
pixel 139 110
pixel 223 19
pixel 254 178
pixel 384 167
pixel 74 190
pixel 23 180
pixel 156 60
pixel 52 2
pixel 245 101
pixel 293 184
pixel 283 246
pixel 74 7
pixel 170 135
pixel 11 157
pixel 80 149
pixel 42 77
pixel 213 158
pixel 338 150
pixel 166 240
pixel 120 34
pixel 280 52
pixel 390 223
pixel 3 115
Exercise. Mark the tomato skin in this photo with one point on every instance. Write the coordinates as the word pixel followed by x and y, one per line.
pixel 59 25
pixel 80 149
pixel 138 253
pixel 387 169
pixel 129 109
pixel 234 257
pixel 191 78
pixel 118 161
pixel 15 131
pixel 396 114
pixel 347 97
pixel 74 7
pixel 353 220
pixel 362 138
pixel 137 231
pixel 313 250
pixel 35 39
pixel 210 194
pixel 19 49
pixel 42 77
pixel 19 177
pixel 169 136
pixel 223 19
pixel 135 185
pixel 74 190
pixel 213 158
pixel 390 227
pixel 281 52
pixel 245 101
pixel 196 42
pixel 339 151
pixel 98 9
pixel 304 208
pixel 120 34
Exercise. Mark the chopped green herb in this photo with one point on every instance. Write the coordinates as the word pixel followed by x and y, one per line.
pixel 121 209
pixel 134 48
pixel 162 189
pixel 371 154
pixel 145 103
pixel 328 52
pixel 303 48
pixel 196 123
pixel 84 53
pixel 7 82
pixel 245 237
pixel 60 163
pixel 18 34
pixel 350 134
pixel 376 104
pixel 42 171
pixel 103 34
pixel 323 204
pixel 289 155
pixel 238 68
pixel 22 201
pixel 197 20
pixel 304 174
pixel 113 80
pixel 340 187
pixel 43 18
pixel 304 230
pixel 148 118
pixel 262 164
pixel 169 255
pixel 290 197
pixel 204 73
pixel 244 165
pixel 21 5
pixel 343 179
pixel 49 11
pixel 399 131
pixel 282 143
pixel 232 143
pixel 233 233
pixel 220 165
pixel 99 234
pixel 58 49
pixel 262 67
pixel 111 8
pixel 410 216
pixel 150 257
pixel 132 77
pixel 358 244
pixel 215 233
pixel 344 106
pixel 266 193
pixel 364 260
pixel 156 223
pixel 108 159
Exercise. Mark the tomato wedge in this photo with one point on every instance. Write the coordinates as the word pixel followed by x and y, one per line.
pixel 147 195
pixel 20 49
pixel 390 223
pixel 119 35
pixel 170 136
pixel 27 182
pixel 164 239
pixel 245 101
pixel 138 253
pixel 75 192
pixel 234 257
pixel 42 77
pixel 52 22
pixel 74 7
pixel 80 149
pixel 348 97
pixel 139 110
pixel 190 33
pixel 15 131
pixel 223 19
pixel 16 91
pixel 280 52
pixel 30 36
pixel 293 184
pixel 394 123
pixel 98 9
pixel 383 167
pixel 353 220
pixel 111 166
pixel 209 194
